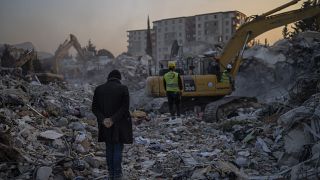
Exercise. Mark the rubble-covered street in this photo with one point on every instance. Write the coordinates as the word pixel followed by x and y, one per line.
pixel 49 132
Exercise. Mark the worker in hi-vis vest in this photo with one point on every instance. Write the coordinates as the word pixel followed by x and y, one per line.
pixel 226 76
pixel 173 86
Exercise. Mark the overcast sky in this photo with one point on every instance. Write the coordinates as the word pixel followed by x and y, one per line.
pixel 47 23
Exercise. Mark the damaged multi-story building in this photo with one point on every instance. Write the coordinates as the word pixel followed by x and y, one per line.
pixel 137 42
pixel 191 32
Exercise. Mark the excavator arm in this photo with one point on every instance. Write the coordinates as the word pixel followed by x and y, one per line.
pixel 233 51
pixel 63 49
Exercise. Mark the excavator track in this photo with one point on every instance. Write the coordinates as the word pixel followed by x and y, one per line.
pixel 223 108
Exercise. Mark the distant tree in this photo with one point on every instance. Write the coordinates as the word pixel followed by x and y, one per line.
pixel 285 32
pixel 104 52
pixel 149 42
pixel 309 24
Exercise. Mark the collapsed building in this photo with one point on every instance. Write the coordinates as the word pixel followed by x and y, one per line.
pixel 48 130
pixel 277 69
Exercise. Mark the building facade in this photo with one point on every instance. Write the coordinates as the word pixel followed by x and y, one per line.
pixel 208 29
pixel 137 42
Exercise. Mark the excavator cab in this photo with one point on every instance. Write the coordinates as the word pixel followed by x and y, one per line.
pixel 202 82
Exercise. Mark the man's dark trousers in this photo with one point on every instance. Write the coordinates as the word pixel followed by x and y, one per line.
pixel 174 98
pixel 114 159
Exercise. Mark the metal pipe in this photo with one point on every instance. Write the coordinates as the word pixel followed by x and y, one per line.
pixel 280 8
pixel 245 44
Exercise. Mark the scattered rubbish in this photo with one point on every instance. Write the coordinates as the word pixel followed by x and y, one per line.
pixel 47 131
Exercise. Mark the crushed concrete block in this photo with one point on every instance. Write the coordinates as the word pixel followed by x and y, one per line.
pixel 200 173
pixel 316 150
pixel 76 126
pixel 50 134
pixel 61 122
pixel 293 116
pixel 260 144
pixel 95 162
pixel 242 161
pixel 44 173
pixel 295 140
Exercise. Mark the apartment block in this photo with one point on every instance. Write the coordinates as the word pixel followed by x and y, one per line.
pixel 210 29
pixel 167 31
pixel 137 41
pixel 217 27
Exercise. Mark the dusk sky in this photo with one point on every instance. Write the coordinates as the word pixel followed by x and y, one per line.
pixel 47 23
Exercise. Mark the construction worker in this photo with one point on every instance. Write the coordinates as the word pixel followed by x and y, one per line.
pixel 173 86
pixel 225 77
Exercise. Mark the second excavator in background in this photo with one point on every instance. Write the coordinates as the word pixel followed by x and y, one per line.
pixel 52 70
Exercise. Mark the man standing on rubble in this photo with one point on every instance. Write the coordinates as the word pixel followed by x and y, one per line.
pixel 173 86
pixel 111 107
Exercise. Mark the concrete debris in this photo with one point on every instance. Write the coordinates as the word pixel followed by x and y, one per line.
pixel 34 121
pixel 261 144
pixel 288 119
pixel 50 134
pixel 288 64
pixel 47 131
pixel 134 71
pixel 44 173
pixel 295 141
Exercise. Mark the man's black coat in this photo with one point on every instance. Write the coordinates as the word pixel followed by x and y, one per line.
pixel 111 100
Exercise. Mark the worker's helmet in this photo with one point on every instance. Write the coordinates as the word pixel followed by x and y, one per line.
pixel 171 64
pixel 229 66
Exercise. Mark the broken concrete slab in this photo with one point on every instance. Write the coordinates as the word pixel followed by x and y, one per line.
pixel 43 173
pixel 295 115
pixel 295 140
pixel 50 134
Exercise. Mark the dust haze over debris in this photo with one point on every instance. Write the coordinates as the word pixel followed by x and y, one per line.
pixel 48 130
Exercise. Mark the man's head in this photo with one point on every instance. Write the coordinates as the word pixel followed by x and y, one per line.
pixel 114 74
pixel 171 65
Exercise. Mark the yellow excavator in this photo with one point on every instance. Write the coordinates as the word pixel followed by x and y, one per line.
pixel 208 87
pixel 60 53
pixel 63 49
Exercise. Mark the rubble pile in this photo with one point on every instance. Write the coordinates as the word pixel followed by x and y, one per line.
pixel 275 69
pixel 270 142
pixel 47 130
pixel 134 70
